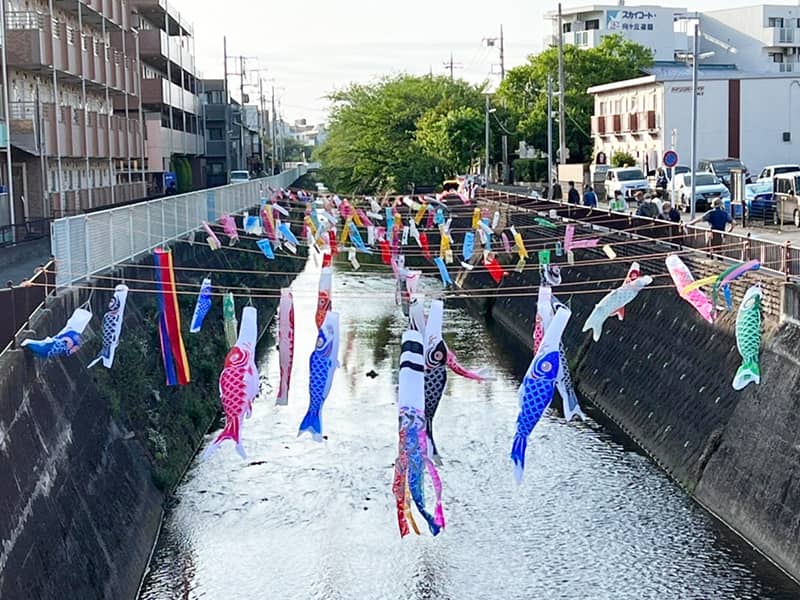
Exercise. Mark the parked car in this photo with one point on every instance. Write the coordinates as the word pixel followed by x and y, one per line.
pixel 769 172
pixel 721 168
pixel 760 202
pixel 786 191
pixel 707 188
pixel 240 176
pixel 627 180
pixel 652 176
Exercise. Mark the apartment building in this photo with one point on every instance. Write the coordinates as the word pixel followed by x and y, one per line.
pixel 170 91
pixel 763 38
pixel 70 150
pixel 649 25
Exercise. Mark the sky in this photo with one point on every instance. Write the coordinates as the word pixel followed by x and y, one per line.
pixel 311 47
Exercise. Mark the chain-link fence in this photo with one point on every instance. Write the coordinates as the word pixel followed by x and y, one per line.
pixel 88 244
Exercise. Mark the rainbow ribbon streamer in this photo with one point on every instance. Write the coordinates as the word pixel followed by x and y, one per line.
pixel 173 352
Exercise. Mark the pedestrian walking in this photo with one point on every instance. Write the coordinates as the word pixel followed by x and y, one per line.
pixel 573 197
pixel 618 202
pixel 589 197
pixel 557 193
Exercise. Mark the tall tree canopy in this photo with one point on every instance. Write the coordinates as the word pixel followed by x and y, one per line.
pixel 402 130
pixel 524 89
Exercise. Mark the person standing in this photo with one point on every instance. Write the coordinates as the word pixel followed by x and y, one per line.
pixel 647 208
pixel 668 213
pixel 618 202
pixel 589 197
pixel 717 218
pixel 573 197
pixel 557 193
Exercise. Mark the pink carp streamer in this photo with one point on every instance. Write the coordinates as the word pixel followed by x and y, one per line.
pixel 285 344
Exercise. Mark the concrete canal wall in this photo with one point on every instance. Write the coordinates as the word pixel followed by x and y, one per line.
pixel 664 377
pixel 88 457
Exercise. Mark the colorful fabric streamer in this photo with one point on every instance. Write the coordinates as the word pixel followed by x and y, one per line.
pixel 202 306
pixel 748 338
pixel 538 387
pixel 324 303
pixel 493 267
pixel 468 249
pixel 268 222
pixel 252 225
pixel 412 459
pixel 266 248
pixel 682 277
pixel 423 242
pixel 570 243
pixel 289 237
pixel 285 344
pixel 612 303
pixel 238 384
pixel 66 342
pixel 112 327
pixel 358 241
pixel 435 369
pixel 445 275
pixel 212 239
pixel 229 227
pixel 322 365
pixel 176 364
pixel 229 322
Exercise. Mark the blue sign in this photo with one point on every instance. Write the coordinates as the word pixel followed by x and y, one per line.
pixel 670 158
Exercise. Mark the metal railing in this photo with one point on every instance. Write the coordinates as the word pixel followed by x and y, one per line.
pixel 18 303
pixel 88 244
pixel 781 258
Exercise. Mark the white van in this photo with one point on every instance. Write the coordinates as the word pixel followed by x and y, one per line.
pixel 627 180
pixel 786 191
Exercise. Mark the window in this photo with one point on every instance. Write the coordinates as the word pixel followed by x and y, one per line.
pixel 216 168
pixel 775 21
pixel 592 24
pixel 601 108
pixel 777 57
pixel 566 27
pixel 215 133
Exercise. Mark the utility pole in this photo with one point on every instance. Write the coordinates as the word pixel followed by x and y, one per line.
pixel 549 137
pixel 450 66
pixel 227 112
pixel 486 166
pixel 562 131
pixel 241 113
pixel 261 125
pixel 502 56
pixel 693 152
pixel 10 174
pixel 273 131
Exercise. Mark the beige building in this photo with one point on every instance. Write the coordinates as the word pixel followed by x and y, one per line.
pixel 70 150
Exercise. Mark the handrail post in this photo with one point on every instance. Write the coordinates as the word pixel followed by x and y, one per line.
pixel 786 262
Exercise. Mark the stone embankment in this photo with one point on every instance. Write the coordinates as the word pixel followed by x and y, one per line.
pixel 88 457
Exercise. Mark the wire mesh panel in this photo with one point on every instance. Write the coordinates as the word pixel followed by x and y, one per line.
pixel 170 220
pixel 121 238
pixel 182 220
pixel 155 223
pixel 59 247
pixel 141 234
pixel 78 266
pixel 98 248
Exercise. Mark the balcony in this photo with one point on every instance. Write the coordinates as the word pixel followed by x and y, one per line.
pixel 779 37
pixel 94 11
pixel 616 124
pixel 156 47
pixel 160 91
pixel 598 125
pixel 633 122
pixel 157 12
pixel 38 43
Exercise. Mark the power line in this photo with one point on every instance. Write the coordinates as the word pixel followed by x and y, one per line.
pixel 450 66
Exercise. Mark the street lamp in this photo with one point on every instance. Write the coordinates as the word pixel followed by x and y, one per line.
pixel 695 56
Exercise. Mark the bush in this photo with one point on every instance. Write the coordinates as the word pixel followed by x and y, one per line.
pixel 530 169
pixel 622 159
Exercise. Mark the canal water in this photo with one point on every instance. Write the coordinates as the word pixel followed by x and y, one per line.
pixel 301 520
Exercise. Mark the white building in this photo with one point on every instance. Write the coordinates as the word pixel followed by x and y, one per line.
pixel 754 117
pixel 759 39
pixel 648 25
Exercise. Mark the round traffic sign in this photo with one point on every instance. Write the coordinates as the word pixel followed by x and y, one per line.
pixel 670 158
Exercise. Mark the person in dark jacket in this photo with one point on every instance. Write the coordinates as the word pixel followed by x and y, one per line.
pixel 573 197
pixel 557 193
pixel 669 213
pixel 589 197
pixel 647 208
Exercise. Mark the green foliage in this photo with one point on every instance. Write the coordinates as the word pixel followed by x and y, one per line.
pixel 293 150
pixel 402 130
pixel 530 169
pixel 524 89
pixel 622 159
pixel 183 173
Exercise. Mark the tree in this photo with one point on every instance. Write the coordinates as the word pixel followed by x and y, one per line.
pixel 293 150
pixel 524 89
pixel 400 131
pixel 622 159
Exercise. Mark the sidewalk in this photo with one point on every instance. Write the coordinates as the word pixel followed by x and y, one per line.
pixel 17 263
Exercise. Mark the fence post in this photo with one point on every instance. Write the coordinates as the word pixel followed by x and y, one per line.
pixel 69 253
pixel 132 238
pixel 786 267
pixel 86 244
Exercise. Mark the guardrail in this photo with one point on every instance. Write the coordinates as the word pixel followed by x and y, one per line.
pixel 781 258
pixel 18 303
pixel 85 245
